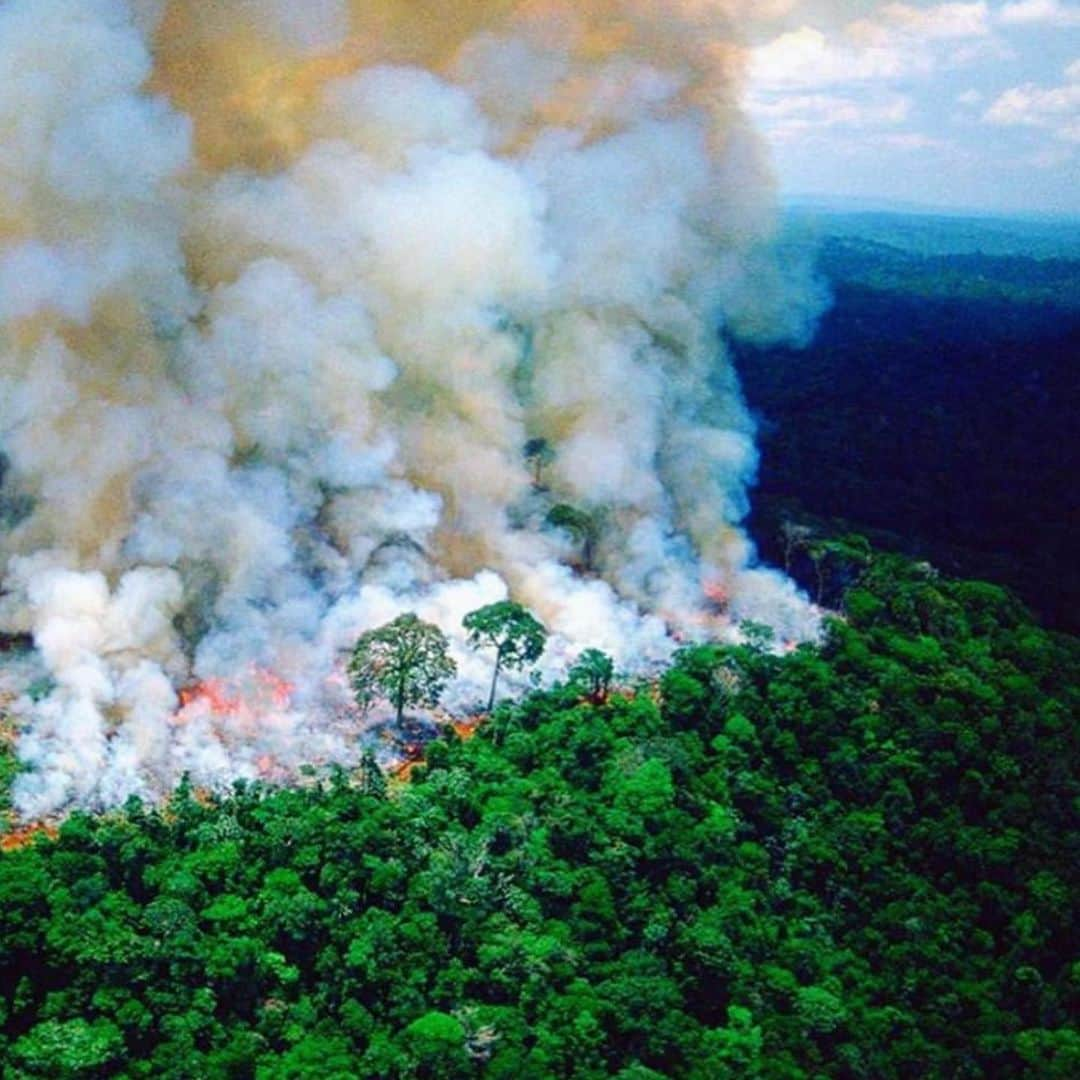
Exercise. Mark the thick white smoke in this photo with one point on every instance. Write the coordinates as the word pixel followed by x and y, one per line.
pixel 285 289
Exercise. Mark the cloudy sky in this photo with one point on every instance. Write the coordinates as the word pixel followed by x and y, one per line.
pixel 966 105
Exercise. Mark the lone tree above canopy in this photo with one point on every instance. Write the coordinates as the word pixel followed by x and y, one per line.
pixel 406 661
pixel 511 630
pixel 581 525
pixel 539 454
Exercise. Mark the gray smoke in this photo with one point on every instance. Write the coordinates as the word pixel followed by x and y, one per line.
pixel 285 291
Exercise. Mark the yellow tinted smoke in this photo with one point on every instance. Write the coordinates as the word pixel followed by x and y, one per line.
pixel 253 95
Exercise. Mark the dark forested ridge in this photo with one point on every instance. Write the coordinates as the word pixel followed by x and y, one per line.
pixel 853 860
pixel 923 232
pixel 936 410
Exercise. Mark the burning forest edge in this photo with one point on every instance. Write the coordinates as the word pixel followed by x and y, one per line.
pixel 307 323
pixel 403 665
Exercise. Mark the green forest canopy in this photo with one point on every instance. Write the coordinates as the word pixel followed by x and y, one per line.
pixel 853 860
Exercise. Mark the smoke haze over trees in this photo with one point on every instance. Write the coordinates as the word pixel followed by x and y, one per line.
pixel 416 332
pixel 285 293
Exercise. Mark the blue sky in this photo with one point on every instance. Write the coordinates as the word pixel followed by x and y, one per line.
pixel 963 105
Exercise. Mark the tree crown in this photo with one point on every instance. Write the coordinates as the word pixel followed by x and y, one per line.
pixel 405 661
pixel 510 629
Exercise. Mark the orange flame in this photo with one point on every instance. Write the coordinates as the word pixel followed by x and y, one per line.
pixel 716 594
pixel 214 694
pixel 26 835
pixel 264 691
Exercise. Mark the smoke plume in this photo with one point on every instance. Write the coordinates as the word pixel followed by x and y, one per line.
pixel 286 288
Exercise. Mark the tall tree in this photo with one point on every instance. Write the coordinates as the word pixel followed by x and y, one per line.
pixel 795 537
pixel 539 454
pixel 511 630
pixel 406 661
pixel 583 526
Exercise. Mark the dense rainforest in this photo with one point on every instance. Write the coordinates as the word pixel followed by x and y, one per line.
pixel 854 859
pixel 935 409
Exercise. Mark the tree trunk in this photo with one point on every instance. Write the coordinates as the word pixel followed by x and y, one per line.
pixel 819 568
pixel 494 681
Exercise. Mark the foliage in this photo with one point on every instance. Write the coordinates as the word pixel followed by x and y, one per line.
pixel 69 1048
pixel 934 412
pixel 9 766
pixel 969 276
pixel 582 525
pixel 515 634
pixel 406 661
pixel 539 453
pixel 593 671
pixel 854 860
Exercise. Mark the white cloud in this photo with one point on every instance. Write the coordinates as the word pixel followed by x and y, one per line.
pixel 1040 12
pixel 899 40
pixel 1055 109
pixel 909 140
pixel 790 116
pixel 969 98
pixel 806 58
pixel 943 22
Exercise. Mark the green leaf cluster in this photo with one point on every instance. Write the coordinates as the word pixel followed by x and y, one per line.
pixel 857 860
pixel 515 634
pixel 406 661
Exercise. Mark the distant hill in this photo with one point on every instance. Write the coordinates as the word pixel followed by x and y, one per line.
pixel 938 233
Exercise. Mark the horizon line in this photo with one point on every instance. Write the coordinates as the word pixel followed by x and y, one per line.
pixel 863 204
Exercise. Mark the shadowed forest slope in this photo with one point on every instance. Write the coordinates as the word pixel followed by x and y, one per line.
pixel 935 411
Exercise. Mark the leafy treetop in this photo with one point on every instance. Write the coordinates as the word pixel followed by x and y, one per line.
pixel 406 661
pixel 539 453
pixel 582 525
pixel 593 672
pixel 517 637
